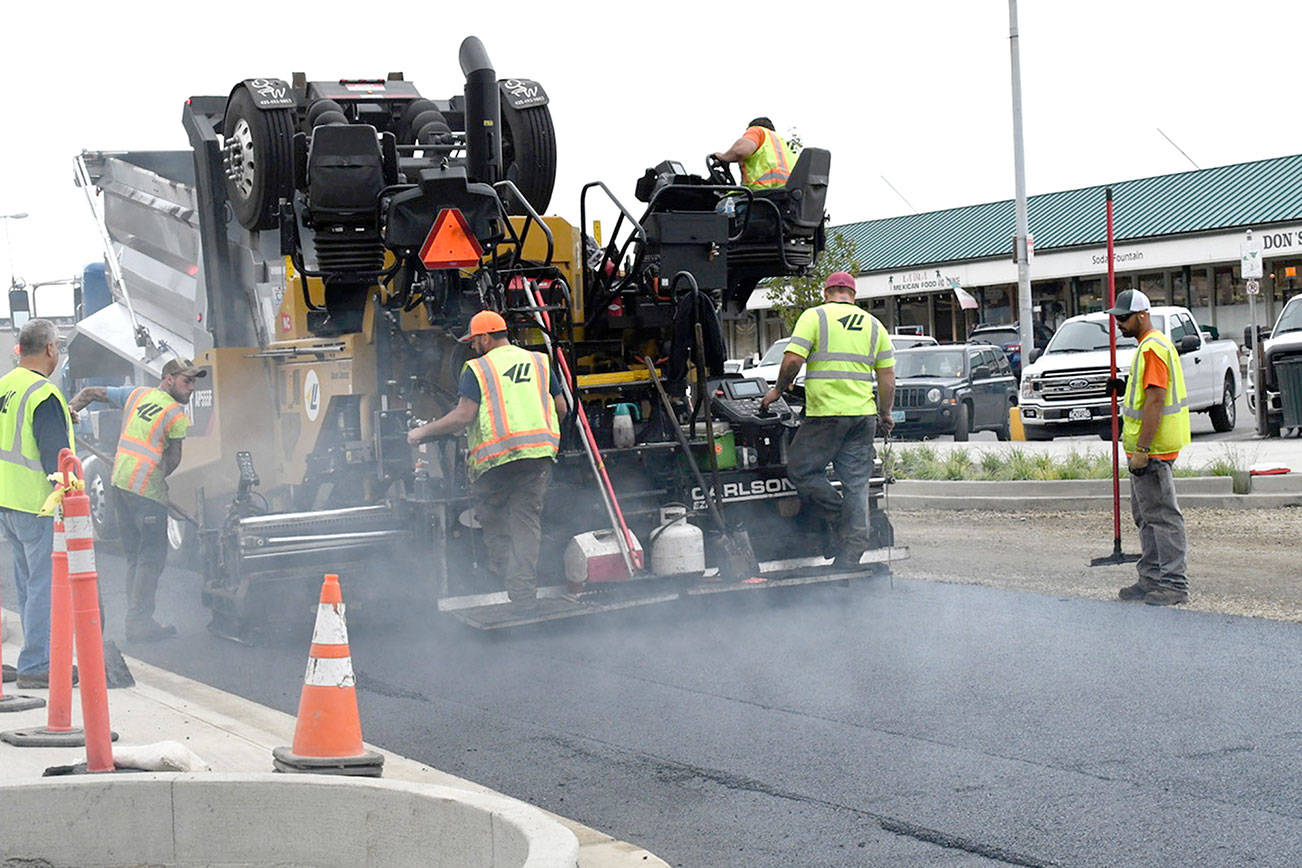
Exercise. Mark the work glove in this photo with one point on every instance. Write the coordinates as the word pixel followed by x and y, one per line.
pixel 1116 386
pixel 1138 463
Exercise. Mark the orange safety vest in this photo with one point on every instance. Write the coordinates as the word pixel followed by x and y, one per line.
pixel 150 417
pixel 516 416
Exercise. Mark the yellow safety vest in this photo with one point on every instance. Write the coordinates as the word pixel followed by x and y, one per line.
pixel 1173 431
pixel 150 418
pixel 770 166
pixel 843 345
pixel 516 416
pixel 23 484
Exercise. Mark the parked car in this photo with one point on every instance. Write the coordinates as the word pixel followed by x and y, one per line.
pixel 1282 344
pixel 1007 336
pixel 953 389
pixel 1064 389
pixel 901 342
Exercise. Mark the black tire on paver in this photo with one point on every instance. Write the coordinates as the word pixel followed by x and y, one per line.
pixel 529 154
pixel 271 134
pixel 1224 415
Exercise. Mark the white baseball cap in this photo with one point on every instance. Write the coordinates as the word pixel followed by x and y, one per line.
pixel 1128 302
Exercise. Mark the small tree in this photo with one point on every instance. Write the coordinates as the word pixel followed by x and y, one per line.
pixel 793 295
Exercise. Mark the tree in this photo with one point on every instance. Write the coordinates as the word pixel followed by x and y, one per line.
pixel 793 295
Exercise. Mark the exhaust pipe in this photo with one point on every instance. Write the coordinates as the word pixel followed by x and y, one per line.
pixel 483 113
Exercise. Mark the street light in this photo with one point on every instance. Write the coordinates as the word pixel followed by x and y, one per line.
pixel 13 285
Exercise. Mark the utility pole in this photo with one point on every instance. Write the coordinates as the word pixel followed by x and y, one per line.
pixel 1025 317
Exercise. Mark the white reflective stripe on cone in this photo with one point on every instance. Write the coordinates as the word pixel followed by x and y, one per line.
pixel 60 541
pixel 329 672
pixel 330 627
pixel 81 561
pixel 78 527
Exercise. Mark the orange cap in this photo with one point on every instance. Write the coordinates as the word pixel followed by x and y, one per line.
pixel 486 322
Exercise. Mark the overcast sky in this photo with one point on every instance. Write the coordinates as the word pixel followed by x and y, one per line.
pixel 916 92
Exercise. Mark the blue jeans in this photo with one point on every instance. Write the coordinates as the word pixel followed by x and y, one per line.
pixel 32 539
pixel 845 442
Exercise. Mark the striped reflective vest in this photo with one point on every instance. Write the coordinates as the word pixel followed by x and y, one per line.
pixel 770 166
pixel 150 418
pixel 1173 431
pixel 23 485
pixel 843 345
pixel 516 416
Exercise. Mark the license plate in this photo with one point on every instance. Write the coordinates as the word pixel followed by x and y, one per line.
pixel 897 415
pixel 1078 414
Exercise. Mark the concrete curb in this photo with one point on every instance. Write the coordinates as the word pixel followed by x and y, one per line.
pixel 1082 495
pixel 270 819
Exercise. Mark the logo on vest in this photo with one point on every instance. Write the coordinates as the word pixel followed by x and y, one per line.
pixel 521 372
pixel 853 322
pixel 148 411
pixel 5 400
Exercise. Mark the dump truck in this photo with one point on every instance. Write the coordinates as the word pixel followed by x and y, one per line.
pixel 318 249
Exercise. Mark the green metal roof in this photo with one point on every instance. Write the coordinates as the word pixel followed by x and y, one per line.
pixel 1247 194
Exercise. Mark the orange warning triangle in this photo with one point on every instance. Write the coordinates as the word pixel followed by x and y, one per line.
pixel 450 243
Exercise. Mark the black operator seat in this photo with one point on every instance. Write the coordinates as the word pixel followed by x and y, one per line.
pixel 345 173
pixel 799 204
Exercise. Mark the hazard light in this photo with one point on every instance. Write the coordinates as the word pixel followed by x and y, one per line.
pixel 450 244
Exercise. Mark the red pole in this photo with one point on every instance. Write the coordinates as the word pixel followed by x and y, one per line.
pixel 89 632
pixel 1112 352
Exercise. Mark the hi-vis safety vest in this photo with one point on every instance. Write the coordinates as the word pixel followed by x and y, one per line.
pixel 843 345
pixel 149 419
pixel 770 166
pixel 23 485
pixel 516 416
pixel 1173 431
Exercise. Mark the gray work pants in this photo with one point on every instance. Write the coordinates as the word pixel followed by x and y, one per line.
pixel 508 504
pixel 845 442
pixel 1161 527
pixel 143 525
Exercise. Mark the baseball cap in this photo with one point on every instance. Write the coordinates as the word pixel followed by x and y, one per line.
pixel 184 367
pixel 486 322
pixel 1128 302
pixel 842 279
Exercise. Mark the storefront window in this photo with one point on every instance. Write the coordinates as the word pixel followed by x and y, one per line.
pixel 1153 286
pixel 913 311
pixel 1229 289
pixel 1179 289
pixel 996 305
pixel 1200 290
pixel 1287 274
pixel 1091 295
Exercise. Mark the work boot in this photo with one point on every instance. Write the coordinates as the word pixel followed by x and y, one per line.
pixel 10 673
pixel 1166 597
pixel 151 632
pixel 848 558
pixel 1135 592
pixel 39 680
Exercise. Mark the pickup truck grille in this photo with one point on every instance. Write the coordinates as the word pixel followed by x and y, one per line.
pixel 1077 385
pixel 907 397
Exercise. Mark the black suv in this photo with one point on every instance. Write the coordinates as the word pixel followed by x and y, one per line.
pixel 1008 337
pixel 953 389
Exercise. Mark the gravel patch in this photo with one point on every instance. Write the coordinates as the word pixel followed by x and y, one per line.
pixel 1241 562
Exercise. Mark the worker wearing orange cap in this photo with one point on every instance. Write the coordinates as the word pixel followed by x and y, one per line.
pixel 512 404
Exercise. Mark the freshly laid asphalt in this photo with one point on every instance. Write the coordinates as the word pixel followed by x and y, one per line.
pixel 909 724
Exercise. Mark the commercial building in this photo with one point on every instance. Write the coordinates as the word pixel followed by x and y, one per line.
pixel 1178 238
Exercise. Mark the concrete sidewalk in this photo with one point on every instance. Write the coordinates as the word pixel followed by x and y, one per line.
pixel 232 735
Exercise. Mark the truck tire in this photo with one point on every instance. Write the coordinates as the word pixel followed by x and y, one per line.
pixel 1224 414
pixel 102 518
pixel 962 422
pixel 259 148
pixel 529 154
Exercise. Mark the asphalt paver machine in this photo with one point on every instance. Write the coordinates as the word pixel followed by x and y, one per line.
pixel 318 250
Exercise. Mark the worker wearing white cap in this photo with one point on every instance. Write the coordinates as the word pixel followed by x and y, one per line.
pixel 1156 428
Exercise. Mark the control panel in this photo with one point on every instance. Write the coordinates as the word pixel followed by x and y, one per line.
pixel 737 400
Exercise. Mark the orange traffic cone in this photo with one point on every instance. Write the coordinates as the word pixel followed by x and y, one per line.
pixel 328 738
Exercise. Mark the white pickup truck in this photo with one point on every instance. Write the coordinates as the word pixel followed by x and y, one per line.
pixel 1064 389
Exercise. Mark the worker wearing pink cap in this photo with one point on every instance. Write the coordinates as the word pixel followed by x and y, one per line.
pixel 849 389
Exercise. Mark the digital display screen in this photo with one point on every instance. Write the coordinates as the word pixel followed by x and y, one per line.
pixel 746 389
